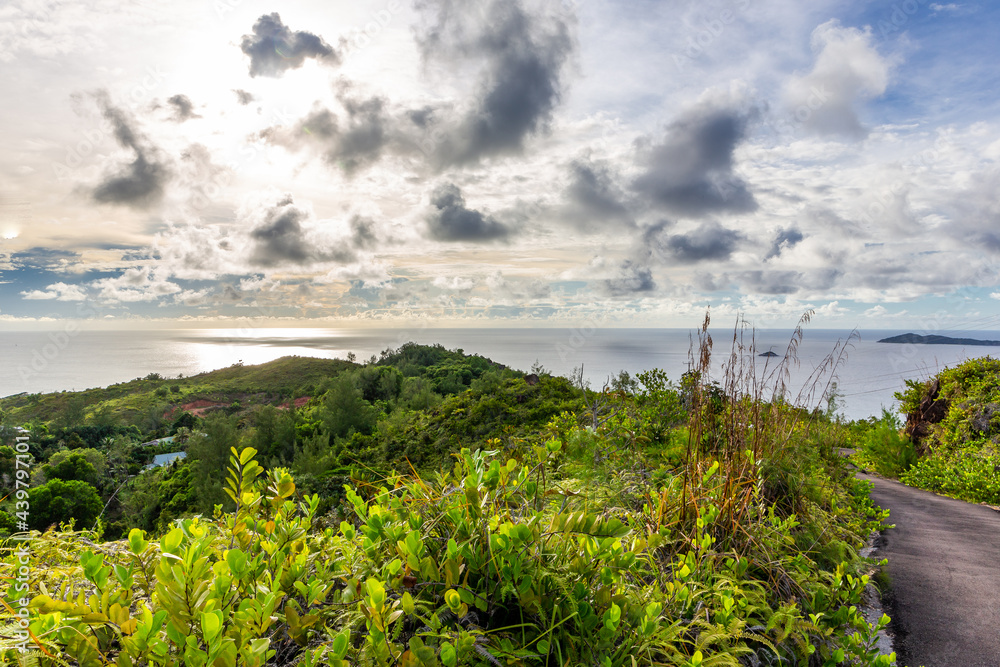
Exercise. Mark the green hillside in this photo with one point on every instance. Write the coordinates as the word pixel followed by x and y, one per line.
pixel 274 380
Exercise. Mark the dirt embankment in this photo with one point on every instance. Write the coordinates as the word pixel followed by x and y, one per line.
pixel 933 409
pixel 203 406
pixel 197 408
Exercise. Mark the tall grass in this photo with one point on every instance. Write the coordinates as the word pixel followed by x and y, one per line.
pixel 749 429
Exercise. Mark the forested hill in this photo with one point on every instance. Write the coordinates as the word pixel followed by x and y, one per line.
pixel 408 408
pixel 133 401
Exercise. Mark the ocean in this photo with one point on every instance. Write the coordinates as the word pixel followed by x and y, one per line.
pixel 47 361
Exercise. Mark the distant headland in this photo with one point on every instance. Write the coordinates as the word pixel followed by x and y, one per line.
pixel 917 339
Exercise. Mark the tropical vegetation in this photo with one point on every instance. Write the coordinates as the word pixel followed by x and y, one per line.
pixel 434 508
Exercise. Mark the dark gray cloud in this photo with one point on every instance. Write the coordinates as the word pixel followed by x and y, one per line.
pixel 631 279
pixel 690 173
pixel 788 282
pixel 975 212
pixel 243 97
pixel 141 182
pixel 710 241
pixel 783 240
pixel 139 254
pixel 183 108
pixel 363 234
pixel 351 142
pixel 450 220
pixel 594 199
pixel 280 239
pixel 524 56
pixel 231 294
pixel 273 48
pixel 772 282
pixel 361 142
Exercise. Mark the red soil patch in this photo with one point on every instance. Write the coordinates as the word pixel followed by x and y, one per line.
pixel 299 402
pixel 201 406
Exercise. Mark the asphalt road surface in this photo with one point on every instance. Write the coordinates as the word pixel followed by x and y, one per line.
pixel 944 567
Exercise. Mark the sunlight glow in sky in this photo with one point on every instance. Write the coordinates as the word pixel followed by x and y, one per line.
pixel 499 162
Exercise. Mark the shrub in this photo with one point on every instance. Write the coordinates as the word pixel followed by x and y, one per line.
pixel 971 477
pixel 884 449
pixel 59 501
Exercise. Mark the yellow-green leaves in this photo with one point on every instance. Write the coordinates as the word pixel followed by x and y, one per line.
pixel 340 645
pixel 376 593
pixel 172 541
pixel 211 626
pixel 448 655
pixel 237 561
pixel 137 541
pixel 589 524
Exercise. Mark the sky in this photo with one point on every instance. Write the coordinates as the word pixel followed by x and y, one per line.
pixel 500 162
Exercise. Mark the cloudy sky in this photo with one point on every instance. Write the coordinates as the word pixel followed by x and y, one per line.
pixel 494 162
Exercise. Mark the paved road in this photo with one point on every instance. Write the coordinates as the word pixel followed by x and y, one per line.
pixel 944 566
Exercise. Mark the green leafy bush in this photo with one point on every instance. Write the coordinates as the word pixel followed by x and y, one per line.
pixel 963 457
pixel 970 477
pixel 882 448
pixel 57 501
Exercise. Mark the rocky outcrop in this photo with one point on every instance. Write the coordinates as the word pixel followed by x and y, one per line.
pixel 932 410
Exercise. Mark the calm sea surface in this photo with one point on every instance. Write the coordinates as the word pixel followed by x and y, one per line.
pixel 867 378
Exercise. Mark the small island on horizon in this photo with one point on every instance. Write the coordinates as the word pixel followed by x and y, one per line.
pixel 934 339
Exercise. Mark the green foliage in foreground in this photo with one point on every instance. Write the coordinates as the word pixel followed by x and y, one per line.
pixel 494 562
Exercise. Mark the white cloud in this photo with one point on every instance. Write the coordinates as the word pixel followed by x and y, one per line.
pixel 192 297
pixel 848 70
pixel 135 285
pixel 877 311
pixel 454 283
pixel 58 292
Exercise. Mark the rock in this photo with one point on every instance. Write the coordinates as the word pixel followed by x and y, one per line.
pixel 532 379
pixel 932 410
